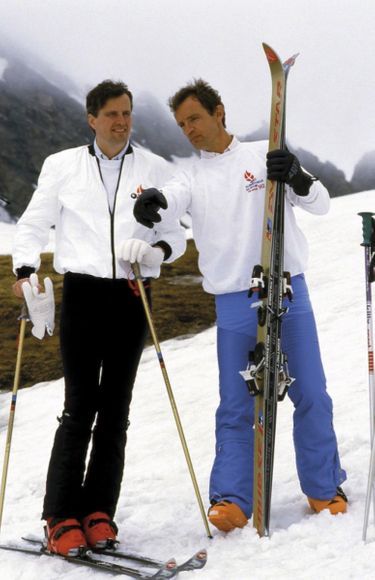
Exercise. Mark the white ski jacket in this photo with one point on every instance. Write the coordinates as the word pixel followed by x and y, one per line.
pixel 71 196
pixel 224 193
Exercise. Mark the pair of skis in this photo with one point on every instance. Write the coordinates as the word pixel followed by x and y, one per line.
pixel 134 568
pixel 267 374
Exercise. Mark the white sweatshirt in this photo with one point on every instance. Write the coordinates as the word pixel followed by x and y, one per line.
pixel 71 196
pixel 224 193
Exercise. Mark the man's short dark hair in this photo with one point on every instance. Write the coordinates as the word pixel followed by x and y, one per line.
pixel 199 89
pixel 99 95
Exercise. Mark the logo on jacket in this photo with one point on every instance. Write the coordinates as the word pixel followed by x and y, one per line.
pixel 138 192
pixel 253 184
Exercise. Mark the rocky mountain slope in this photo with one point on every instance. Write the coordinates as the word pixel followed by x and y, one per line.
pixel 38 116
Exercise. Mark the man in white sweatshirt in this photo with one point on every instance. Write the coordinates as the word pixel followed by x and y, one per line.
pixel 88 194
pixel 224 193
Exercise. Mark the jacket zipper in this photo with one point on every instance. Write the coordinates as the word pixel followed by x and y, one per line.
pixel 112 213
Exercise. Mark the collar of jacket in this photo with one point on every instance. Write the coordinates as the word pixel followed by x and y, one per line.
pixel 92 150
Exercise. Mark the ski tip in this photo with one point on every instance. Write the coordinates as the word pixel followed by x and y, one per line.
pixel 271 55
pixel 196 562
pixel 169 570
pixel 171 564
pixel 290 61
pixel 201 555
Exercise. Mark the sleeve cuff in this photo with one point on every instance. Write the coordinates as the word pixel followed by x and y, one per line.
pixel 24 272
pixel 165 247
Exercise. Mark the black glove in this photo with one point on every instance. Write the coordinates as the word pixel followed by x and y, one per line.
pixel 283 166
pixel 147 206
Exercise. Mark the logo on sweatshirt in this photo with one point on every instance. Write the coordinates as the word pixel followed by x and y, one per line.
pixel 253 184
pixel 248 176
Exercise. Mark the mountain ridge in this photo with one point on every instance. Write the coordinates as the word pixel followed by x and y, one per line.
pixel 38 117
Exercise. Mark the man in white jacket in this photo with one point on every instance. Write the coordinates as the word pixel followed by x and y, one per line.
pixel 88 194
pixel 224 193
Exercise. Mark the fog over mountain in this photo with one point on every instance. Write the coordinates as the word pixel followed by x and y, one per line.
pixel 37 118
pixel 159 46
pixel 42 112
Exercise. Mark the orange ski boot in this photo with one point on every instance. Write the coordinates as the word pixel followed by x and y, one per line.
pixel 226 516
pixel 65 537
pixel 100 530
pixel 336 505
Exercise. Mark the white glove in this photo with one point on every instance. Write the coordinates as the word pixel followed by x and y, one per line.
pixel 134 250
pixel 41 306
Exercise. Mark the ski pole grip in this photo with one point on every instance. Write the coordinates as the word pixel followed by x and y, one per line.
pixel 367 227
pixel 136 270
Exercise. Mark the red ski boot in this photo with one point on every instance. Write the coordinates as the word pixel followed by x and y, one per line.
pixel 100 530
pixel 65 536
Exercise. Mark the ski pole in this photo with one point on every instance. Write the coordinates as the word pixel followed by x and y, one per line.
pixel 368 231
pixel 370 490
pixel 23 319
pixel 137 274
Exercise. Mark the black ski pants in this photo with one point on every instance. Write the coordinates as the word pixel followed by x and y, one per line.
pixel 103 330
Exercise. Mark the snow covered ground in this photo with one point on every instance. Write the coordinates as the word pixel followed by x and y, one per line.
pixel 157 512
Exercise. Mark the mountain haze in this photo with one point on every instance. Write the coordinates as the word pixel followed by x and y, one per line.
pixel 41 112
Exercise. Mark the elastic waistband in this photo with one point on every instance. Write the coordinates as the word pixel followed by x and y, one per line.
pixel 96 280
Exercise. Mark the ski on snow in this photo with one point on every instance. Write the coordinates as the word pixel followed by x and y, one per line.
pixel 168 569
pixel 197 561
pixel 267 373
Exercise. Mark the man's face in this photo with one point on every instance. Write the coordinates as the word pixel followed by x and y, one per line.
pixel 202 129
pixel 113 123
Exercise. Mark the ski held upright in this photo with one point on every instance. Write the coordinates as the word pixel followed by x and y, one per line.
pixel 267 375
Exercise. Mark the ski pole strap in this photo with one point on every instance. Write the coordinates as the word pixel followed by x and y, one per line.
pixel 133 285
pixel 367 228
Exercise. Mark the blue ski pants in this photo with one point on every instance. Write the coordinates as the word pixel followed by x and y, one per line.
pixel 315 444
